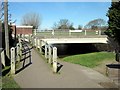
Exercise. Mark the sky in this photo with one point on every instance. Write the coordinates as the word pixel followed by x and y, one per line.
pixel 78 13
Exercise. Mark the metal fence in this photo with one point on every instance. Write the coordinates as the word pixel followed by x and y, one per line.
pixel 68 34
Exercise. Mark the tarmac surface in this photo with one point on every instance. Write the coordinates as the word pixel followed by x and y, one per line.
pixel 35 72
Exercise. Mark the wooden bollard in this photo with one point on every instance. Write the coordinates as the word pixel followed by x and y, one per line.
pixel 50 53
pixel 19 40
pixel 12 60
pixel 85 33
pixel 40 46
pixel 18 52
pixel 54 59
pixel 3 58
pixel 35 42
pixel 29 38
pixel 32 40
pixel 46 51
pixel 38 43
pixel 20 49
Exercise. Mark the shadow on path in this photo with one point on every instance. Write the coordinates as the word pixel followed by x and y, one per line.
pixel 115 66
pixel 26 57
pixel 59 67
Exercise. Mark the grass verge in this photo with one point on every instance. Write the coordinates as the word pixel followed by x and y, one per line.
pixel 9 82
pixel 90 60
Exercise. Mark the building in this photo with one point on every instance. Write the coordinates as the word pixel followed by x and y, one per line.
pixel 26 30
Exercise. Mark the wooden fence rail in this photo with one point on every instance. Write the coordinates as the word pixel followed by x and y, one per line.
pixel 50 52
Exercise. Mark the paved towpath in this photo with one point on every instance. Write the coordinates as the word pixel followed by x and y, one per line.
pixel 38 74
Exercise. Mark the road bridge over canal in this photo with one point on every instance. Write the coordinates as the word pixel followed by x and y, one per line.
pixel 73 40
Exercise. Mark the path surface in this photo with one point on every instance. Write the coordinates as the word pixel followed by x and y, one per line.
pixel 39 74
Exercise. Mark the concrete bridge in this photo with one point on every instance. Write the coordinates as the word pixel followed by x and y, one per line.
pixel 73 40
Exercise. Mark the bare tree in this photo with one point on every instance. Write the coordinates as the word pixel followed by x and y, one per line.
pixel 96 23
pixel 32 19
pixel 62 24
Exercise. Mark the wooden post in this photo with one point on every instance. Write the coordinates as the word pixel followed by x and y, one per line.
pixel 50 53
pixel 99 32
pixel 85 33
pixel 3 58
pixel 54 59
pixel 69 32
pixel 35 32
pixel 45 51
pixel 40 45
pixel 18 52
pixel 29 37
pixel 12 60
pixel 35 42
pixel 32 40
pixel 6 28
pixel 19 40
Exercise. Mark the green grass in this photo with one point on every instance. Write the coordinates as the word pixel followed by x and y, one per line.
pixel 7 79
pixel 91 59
pixel 8 82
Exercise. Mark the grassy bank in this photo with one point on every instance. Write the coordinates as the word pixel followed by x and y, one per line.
pixel 7 79
pixel 8 82
pixel 91 59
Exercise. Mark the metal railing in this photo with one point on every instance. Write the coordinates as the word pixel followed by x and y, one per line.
pixel 69 34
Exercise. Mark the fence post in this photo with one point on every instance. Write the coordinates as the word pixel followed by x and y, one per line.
pixel 49 55
pixel 18 52
pixel 35 42
pixel 38 41
pixel 12 60
pixel 3 58
pixel 45 51
pixel 69 32
pixel 40 45
pixel 29 38
pixel 54 59
pixel 85 33
pixel 99 32
pixel 32 40
pixel 20 49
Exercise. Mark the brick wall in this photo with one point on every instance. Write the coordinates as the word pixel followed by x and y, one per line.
pixel 22 29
